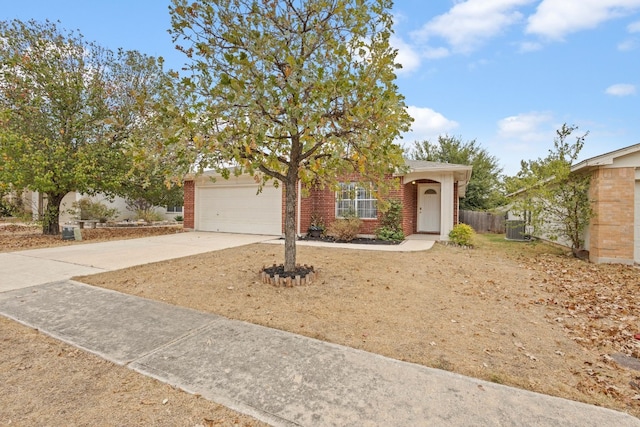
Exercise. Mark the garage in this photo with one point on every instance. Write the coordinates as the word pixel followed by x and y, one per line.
pixel 233 206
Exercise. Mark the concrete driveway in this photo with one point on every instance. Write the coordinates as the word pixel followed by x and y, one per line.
pixel 38 266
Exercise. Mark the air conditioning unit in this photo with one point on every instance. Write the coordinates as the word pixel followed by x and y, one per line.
pixel 515 229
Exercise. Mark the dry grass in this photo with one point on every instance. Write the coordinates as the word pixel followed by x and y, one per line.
pixel 520 314
pixel 491 312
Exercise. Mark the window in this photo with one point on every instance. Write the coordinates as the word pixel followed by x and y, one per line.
pixel 353 199
pixel 174 209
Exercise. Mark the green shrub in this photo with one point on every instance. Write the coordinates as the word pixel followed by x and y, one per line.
pixel 384 233
pixel 12 205
pixel 462 234
pixel 345 229
pixel 391 222
pixel 179 218
pixel 6 207
pixel 94 210
pixel 148 215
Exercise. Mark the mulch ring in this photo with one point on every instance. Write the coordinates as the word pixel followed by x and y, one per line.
pixel 276 276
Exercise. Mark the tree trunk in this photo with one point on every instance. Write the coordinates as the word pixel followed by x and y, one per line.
pixel 291 204
pixel 51 219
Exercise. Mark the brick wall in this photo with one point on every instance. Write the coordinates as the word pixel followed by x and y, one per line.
pixel 189 204
pixel 611 229
pixel 322 202
pixel 410 212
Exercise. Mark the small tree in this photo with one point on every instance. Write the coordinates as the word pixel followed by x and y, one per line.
pixel 554 200
pixel 293 91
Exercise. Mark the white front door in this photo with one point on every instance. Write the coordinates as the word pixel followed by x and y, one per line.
pixel 429 208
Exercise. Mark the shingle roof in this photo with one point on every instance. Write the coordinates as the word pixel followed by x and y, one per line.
pixel 418 165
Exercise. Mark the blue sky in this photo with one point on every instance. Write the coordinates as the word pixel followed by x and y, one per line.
pixel 504 72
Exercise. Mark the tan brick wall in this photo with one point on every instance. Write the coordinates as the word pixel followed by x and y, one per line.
pixel 611 229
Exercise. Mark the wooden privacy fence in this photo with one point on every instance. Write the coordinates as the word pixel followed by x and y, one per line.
pixel 483 222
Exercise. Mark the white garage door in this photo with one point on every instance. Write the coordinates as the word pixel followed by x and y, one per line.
pixel 637 225
pixel 234 207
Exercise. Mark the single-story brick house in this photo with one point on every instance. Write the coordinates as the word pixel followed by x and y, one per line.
pixel 429 192
pixel 614 231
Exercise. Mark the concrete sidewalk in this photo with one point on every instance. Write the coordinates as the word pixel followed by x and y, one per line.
pixel 413 243
pixel 278 377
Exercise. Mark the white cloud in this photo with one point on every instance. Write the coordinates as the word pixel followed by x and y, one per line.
pixel 628 45
pixel 621 89
pixel 556 18
pixel 526 128
pixel 428 124
pixel 529 47
pixel 407 56
pixel 524 136
pixel 436 53
pixel 634 27
pixel 470 23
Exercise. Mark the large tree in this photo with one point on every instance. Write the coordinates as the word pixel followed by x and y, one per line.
pixel 549 196
pixel 293 90
pixel 485 189
pixel 69 109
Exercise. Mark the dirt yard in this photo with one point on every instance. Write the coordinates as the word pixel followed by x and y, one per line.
pixel 46 382
pixel 20 237
pixel 520 314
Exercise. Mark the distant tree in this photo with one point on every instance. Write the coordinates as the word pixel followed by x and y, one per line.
pixel 68 110
pixel 146 187
pixel 554 200
pixel 485 190
pixel 293 91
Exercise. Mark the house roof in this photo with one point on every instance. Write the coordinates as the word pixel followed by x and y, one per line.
pixel 605 159
pixel 424 165
pixel 594 162
pixel 419 169
pixel 461 173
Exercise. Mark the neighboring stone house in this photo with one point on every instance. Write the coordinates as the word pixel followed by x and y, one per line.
pixel 35 204
pixel 614 231
pixel 428 191
pixel 613 234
